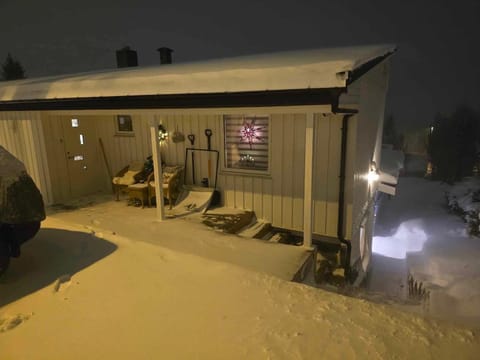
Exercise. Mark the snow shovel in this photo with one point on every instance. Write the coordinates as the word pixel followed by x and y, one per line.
pixel 208 134
pixel 191 137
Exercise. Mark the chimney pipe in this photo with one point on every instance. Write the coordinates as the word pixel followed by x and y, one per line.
pixel 165 55
pixel 126 57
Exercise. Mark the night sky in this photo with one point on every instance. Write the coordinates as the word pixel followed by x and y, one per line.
pixel 436 67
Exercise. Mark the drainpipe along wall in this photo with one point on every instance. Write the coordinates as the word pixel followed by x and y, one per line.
pixel 341 195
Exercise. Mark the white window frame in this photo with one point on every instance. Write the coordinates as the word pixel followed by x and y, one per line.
pixel 236 171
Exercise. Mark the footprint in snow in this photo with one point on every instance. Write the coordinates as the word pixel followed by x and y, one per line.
pixel 62 283
pixel 11 322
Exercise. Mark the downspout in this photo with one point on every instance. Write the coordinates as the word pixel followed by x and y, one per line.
pixel 341 195
pixel 347 114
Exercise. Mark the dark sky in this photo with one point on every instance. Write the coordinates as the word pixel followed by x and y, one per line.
pixel 437 65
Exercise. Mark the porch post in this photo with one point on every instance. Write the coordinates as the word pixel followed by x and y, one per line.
pixel 157 170
pixel 307 195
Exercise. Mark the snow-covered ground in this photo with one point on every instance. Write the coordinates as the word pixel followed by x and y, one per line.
pixel 415 234
pixel 107 290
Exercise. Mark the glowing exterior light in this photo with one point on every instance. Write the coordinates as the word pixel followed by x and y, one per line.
pixel 162 133
pixel 373 173
pixel 372 176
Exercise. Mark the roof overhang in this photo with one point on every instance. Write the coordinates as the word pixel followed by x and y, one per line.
pixel 308 77
pixel 183 101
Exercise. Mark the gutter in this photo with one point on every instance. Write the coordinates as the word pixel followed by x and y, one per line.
pixel 323 96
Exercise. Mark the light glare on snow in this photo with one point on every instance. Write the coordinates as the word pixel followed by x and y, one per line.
pixel 409 237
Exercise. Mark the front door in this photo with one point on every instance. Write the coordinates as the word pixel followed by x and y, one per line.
pixel 81 153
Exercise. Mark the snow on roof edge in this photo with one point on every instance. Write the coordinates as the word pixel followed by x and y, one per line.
pixel 298 69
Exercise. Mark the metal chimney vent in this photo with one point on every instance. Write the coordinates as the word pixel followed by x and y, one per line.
pixel 165 55
pixel 126 57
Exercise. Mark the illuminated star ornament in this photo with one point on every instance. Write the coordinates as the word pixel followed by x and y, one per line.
pixel 250 132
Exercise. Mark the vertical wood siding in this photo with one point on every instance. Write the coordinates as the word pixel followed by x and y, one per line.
pixel 121 150
pixel 276 197
pixel 55 150
pixel 326 173
pixel 279 197
pixel 21 134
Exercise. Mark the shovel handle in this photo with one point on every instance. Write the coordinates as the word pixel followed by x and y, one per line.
pixel 191 137
pixel 208 134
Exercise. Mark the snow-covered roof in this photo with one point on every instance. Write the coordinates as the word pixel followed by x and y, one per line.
pixel 306 69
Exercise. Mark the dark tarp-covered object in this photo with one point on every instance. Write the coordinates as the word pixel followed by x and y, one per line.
pixel 20 199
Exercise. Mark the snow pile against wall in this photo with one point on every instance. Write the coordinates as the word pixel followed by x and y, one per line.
pixel 392 161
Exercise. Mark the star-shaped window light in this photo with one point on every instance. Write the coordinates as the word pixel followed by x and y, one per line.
pixel 250 132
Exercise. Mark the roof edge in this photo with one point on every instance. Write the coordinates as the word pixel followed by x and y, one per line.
pixel 357 73
pixel 322 96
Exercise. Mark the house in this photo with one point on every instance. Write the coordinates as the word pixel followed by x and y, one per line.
pixel 298 133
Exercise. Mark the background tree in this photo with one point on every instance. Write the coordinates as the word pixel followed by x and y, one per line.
pixel 453 144
pixel 390 134
pixel 467 122
pixel 12 69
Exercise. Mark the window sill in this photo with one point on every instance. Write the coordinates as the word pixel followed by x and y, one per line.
pixel 125 134
pixel 246 173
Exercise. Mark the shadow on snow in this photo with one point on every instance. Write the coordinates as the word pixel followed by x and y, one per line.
pixel 52 254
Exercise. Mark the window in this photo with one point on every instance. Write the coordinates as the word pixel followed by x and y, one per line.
pixel 246 142
pixel 124 125
pixel 75 123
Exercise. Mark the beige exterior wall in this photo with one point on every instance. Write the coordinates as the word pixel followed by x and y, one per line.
pixel 120 150
pixel 278 196
pixel 21 134
pixel 365 134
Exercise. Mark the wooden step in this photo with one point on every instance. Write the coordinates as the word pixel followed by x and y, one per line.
pixel 256 230
pixel 229 223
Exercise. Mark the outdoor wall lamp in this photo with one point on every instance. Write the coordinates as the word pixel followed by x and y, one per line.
pixel 162 133
pixel 373 174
